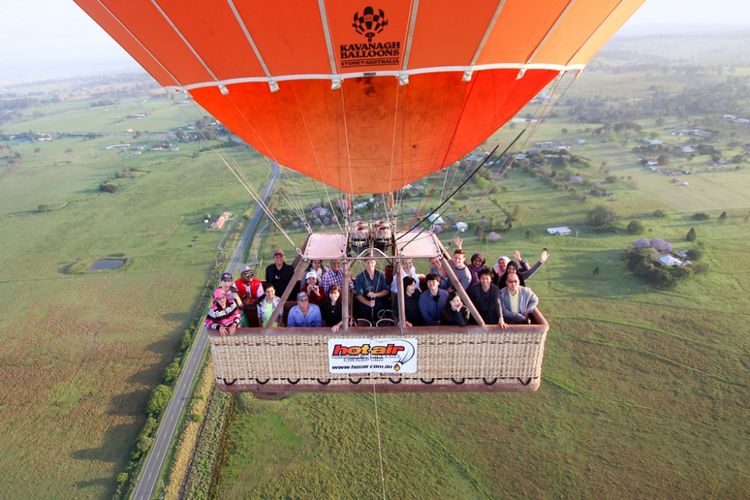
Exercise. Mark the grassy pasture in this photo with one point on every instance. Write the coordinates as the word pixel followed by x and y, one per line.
pixel 645 393
pixel 83 349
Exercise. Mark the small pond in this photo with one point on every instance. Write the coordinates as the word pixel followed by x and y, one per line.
pixel 107 264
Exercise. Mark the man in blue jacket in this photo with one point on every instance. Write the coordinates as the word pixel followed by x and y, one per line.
pixel 304 314
pixel 432 301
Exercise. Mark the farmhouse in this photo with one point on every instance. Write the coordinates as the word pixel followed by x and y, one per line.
pixel 560 230
pixel 670 260
pixel 553 145
pixel 223 218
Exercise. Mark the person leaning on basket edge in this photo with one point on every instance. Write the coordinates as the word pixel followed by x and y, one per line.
pixel 517 302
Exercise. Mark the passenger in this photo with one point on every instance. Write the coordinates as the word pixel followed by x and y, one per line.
pixel 334 276
pixel 370 290
pixel 313 290
pixel 411 303
pixel 499 269
pixel 223 315
pixel 233 295
pixel 523 266
pixel 331 309
pixel 279 274
pixel 436 268
pixel 266 307
pixel 518 302
pixel 526 271
pixel 486 298
pixel 317 267
pixel 511 269
pixel 432 302
pixel 477 264
pixel 455 312
pixel 460 268
pixel 304 314
pixel 227 284
pixel 407 269
pixel 251 291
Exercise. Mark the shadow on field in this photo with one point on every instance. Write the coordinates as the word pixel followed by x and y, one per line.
pixel 182 317
pixel 130 404
pixel 116 439
pixel 151 375
pixel 103 483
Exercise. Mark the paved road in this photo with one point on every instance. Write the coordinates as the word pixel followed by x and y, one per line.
pixel 164 434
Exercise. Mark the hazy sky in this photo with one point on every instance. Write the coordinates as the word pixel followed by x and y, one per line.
pixel 54 38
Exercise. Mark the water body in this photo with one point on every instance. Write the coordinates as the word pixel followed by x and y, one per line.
pixel 107 264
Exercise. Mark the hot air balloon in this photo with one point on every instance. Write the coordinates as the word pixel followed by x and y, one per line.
pixel 366 97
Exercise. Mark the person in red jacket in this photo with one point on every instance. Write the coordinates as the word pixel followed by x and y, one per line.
pixel 251 291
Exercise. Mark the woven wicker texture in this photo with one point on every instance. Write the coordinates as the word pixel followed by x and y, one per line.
pixel 299 356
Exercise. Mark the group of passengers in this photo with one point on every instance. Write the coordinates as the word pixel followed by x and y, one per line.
pixel 499 294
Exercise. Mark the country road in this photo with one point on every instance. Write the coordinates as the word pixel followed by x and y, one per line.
pixel 146 483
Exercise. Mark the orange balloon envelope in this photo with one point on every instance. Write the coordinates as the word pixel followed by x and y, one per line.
pixel 363 96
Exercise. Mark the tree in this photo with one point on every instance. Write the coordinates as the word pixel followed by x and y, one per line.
pixel 172 371
pixel 108 187
pixel 690 236
pixel 602 218
pixel 662 159
pixel 595 272
pixel 635 227
pixel 159 400
pixel 186 340
pixel 723 216
pixel 122 478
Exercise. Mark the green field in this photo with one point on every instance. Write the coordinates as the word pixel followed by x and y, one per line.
pixel 645 392
pixel 82 350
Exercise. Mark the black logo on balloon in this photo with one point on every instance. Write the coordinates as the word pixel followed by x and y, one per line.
pixel 369 53
pixel 369 23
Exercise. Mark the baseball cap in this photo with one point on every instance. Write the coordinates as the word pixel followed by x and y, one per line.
pixel 278 251
pixel 246 270
pixel 311 274
pixel 226 277
pixel 503 258
pixel 219 293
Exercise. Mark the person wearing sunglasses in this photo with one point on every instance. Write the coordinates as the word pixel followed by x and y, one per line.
pixel 251 291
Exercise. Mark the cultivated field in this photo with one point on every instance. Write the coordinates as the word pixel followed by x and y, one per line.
pixel 645 392
pixel 82 350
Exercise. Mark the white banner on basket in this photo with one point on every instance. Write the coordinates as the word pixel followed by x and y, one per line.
pixel 367 355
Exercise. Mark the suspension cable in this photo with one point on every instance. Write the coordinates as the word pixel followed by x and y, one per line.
pixel 315 157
